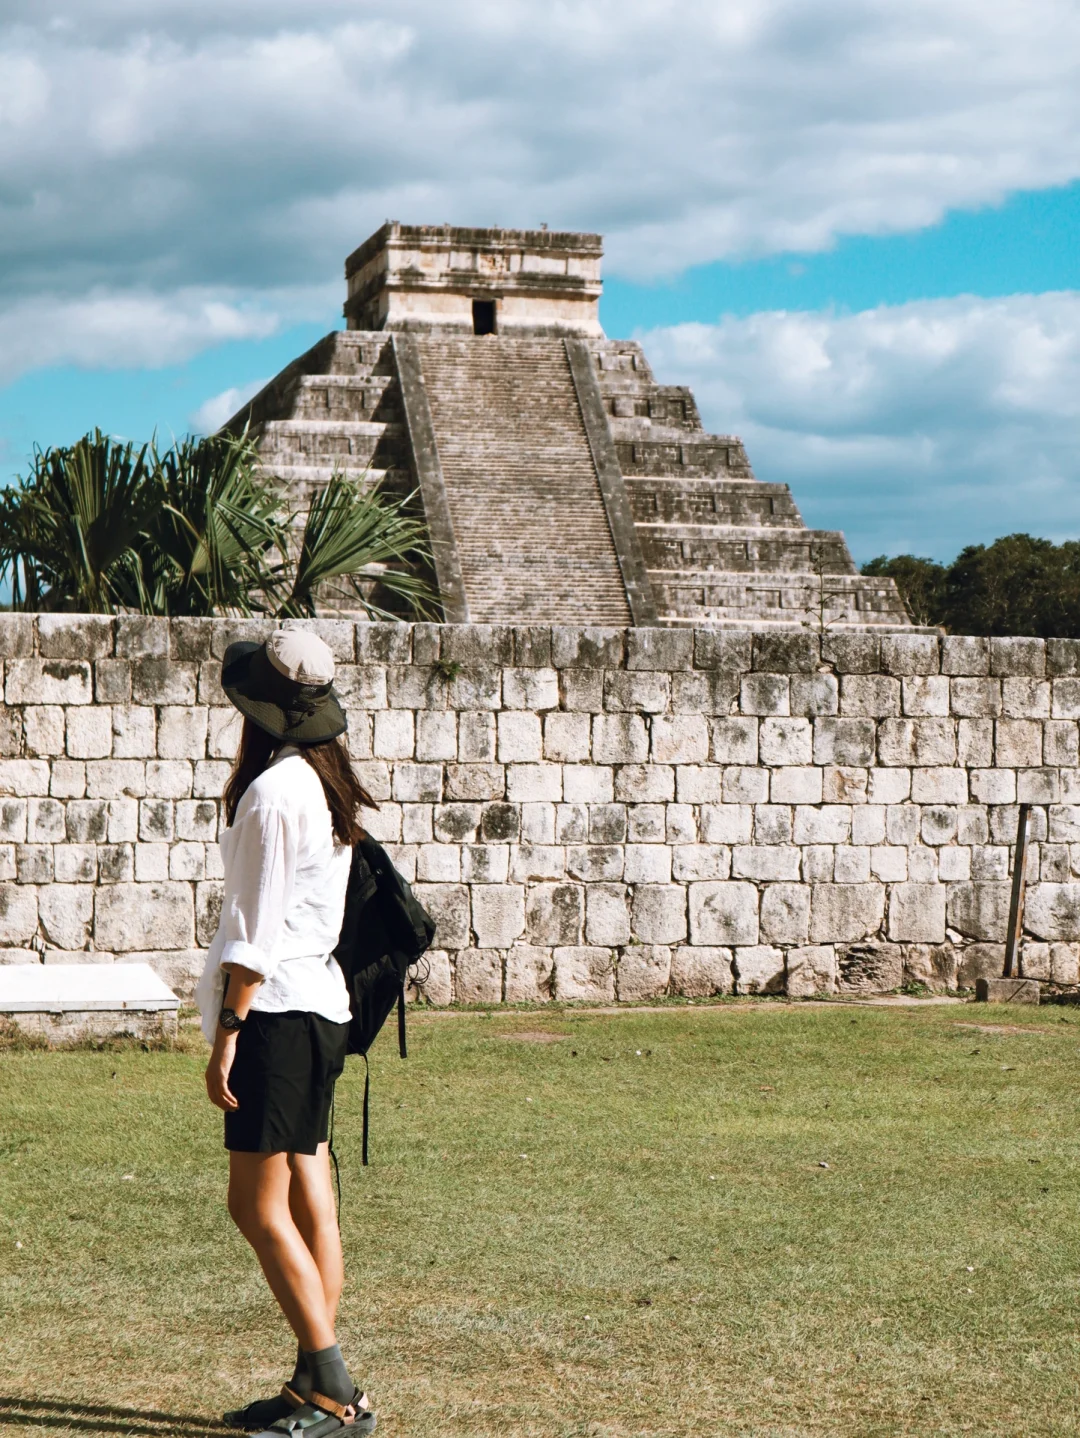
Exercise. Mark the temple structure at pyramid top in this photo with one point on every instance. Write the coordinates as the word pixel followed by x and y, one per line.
pixel 558 481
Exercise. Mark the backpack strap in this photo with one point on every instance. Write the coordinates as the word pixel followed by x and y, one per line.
pixel 367 1093
pixel 402 1050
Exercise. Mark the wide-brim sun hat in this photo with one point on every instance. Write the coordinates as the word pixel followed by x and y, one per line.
pixel 285 686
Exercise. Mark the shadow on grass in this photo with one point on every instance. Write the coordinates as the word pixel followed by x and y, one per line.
pixel 95 1418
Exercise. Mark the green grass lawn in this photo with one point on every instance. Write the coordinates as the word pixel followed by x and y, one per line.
pixel 741 1220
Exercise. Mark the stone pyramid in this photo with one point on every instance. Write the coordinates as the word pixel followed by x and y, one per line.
pixel 559 482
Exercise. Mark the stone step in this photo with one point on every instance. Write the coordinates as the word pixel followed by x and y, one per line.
pixel 793 551
pixel 719 502
pixel 357 440
pixel 530 523
pixel 710 455
pixel 373 397
pixel 650 406
pixel 774 594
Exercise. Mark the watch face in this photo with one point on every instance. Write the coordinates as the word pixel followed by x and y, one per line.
pixel 229 1019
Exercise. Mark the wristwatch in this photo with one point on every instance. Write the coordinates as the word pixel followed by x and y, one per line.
pixel 229 1019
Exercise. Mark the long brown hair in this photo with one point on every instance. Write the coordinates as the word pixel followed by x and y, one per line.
pixel 345 795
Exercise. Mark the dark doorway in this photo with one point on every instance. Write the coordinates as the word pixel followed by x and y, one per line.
pixel 483 317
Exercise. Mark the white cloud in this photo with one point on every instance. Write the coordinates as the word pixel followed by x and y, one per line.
pixel 167 145
pixel 213 412
pixel 918 427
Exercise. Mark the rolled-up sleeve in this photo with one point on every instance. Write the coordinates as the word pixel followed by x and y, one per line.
pixel 259 890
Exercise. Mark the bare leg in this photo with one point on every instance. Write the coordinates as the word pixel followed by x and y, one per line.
pixel 259 1187
pixel 311 1202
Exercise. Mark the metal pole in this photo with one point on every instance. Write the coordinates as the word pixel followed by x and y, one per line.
pixel 1016 902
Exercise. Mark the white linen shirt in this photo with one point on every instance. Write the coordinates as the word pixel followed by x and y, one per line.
pixel 284 898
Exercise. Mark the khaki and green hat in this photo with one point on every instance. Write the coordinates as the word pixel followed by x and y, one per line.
pixel 285 686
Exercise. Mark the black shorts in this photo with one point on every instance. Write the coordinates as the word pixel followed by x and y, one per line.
pixel 283 1078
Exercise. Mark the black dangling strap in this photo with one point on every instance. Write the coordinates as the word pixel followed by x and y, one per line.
pixel 402 1050
pixel 367 1091
pixel 333 1155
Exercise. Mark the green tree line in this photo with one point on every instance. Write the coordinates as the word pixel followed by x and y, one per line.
pixel 1017 585
pixel 101 526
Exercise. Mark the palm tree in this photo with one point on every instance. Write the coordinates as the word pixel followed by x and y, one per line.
pixel 202 530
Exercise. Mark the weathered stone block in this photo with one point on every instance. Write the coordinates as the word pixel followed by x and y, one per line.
pixel 478 977
pixel 745 786
pixel 659 913
pixel 845 913
pixel 814 694
pixel 448 905
pixel 917 913
pixel 785 741
pixel 163 681
pixel 119 779
pixel 698 973
pixel 555 914
pixel 734 740
pixel 765 694
pixel 595 862
pixel 844 741
pixel 528 974
pixel 485 863
pixel 659 649
pixel 824 824
pixel 978 910
pixel 796 786
pixel 589 648
pixel 723 913
pixel 644 783
pixel 533 782
pixel 1052 911
pixel 619 739
pixel 638 693
pixel 646 824
pixel 457 823
pixel 964 654
pixel 607 921
pixel 1013 655
pixel 498 915
pixel 571 824
pixel 532 646
pixel 423 783
pixel 759 969
pixel 726 823
pixel 567 737
pixel 112 681
pixel 581 690
pixel 787 653
pixel 851 865
pixel 18 914
pixel 643 971
pixel 74 636
pixel 521 742
pixel 1025 698
pixel 939 786
pixel 1060 747
pixel 1037 786
pixel 141 916
pixel 588 783
pixel 729 652
pixel 910 653
pixel 700 861
pixel 873 696
pixel 926 696
pixel 869 968
pixel 682 739
pixel 16 635
pixel 383 643
pixel 43 726
pixel 438 863
pixel 583 974
pixel 917 741
pixel 765 862
pixel 699 691
pixel 785 913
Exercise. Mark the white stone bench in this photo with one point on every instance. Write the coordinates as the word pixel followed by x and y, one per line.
pixel 64 1001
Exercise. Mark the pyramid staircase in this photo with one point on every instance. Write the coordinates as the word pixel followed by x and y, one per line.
pixel 547 489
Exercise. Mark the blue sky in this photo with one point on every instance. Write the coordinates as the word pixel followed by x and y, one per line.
pixel 855 235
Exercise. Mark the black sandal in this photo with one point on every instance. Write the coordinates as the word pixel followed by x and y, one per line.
pixel 321 1416
pixel 264 1411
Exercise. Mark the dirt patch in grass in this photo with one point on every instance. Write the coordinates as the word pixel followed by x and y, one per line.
pixel 1003 1028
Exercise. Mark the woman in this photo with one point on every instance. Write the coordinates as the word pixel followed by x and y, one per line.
pixel 275 1007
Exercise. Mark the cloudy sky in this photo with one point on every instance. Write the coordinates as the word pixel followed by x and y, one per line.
pixel 852 225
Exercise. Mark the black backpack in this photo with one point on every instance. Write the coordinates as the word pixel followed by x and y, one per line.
pixel 384 932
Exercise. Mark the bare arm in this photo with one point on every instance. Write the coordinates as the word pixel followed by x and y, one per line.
pixel 240 986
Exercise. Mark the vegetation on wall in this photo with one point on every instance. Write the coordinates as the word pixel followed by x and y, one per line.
pixel 1017 585
pixel 100 526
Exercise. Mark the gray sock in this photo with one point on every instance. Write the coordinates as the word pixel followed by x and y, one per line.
pixel 300 1382
pixel 329 1375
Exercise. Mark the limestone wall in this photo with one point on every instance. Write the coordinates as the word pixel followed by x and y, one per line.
pixel 589 813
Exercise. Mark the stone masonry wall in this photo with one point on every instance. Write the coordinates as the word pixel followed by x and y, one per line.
pixel 590 814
